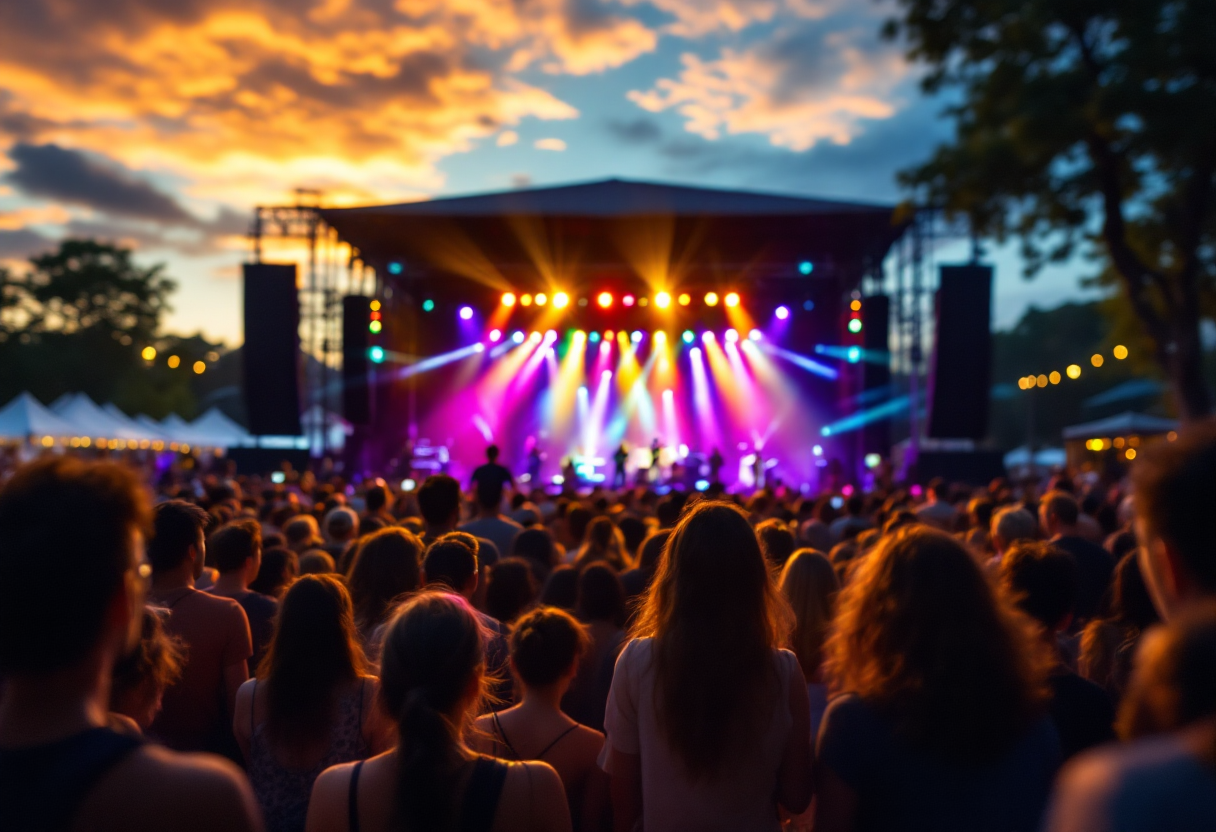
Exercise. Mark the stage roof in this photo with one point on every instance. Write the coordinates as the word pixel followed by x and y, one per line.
pixel 604 224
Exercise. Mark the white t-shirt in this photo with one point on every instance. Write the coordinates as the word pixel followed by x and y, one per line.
pixel 742 798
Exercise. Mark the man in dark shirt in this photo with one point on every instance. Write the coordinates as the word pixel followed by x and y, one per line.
pixel 492 474
pixel 1058 512
pixel 237 551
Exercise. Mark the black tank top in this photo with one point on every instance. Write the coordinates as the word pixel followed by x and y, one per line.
pixel 479 803
pixel 42 787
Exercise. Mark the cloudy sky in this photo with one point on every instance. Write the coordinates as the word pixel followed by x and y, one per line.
pixel 162 122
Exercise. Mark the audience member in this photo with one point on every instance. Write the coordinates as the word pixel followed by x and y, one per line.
pixel 387 567
pixel 140 677
pixel 937 511
pixel 637 580
pixel 776 542
pixel 810 585
pixel 1010 525
pixel 317 562
pixel 511 591
pixel 561 589
pixel 1108 644
pixel 237 550
pixel 302 533
pixel 489 522
pixel 341 527
pixel 1058 512
pixel 600 606
pixel 279 568
pixel 537 548
pixel 603 542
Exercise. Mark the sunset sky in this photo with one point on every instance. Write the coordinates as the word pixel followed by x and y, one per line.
pixel 162 122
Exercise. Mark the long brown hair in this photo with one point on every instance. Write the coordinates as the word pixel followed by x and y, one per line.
pixel 605 542
pixel 313 654
pixel 809 584
pixel 715 617
pixel 434 648
pixel 386 566
pixel 922 635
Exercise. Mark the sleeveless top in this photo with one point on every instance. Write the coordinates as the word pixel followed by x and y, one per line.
pixel 477 805
pixel 42 787
pixel 506 743
pixel 283 792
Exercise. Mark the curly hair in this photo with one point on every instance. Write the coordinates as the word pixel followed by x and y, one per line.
pixel 921 635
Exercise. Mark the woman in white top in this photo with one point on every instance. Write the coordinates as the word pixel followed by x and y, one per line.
pixel 708 722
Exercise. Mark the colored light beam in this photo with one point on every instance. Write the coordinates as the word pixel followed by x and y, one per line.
pixel 700 394
pixel 671 425
pixel 865 417
pixel 435 361
pixel 741 411
pixel 808 364
pixel 570 377
pixel 599 409
pixel 869 356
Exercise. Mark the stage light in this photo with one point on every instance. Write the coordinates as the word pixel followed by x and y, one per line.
pixel 808 305
pixel 534 337
pixel 550 336
pixel 518 337
pixel 732 300
pixel 1096 359
pixel 688 336
pixel 607 374
pixel 707 336
pixel 604 299
pixel 782 313
pixel 408 484
pixel 594 337
pixel 685 299
pixel 466 313
pixel 711 298
pixel 394 268
pixel 732 335
pixel 376 354
pixel 662 300
pixel 695 352
pixel 525 300
pixel 854 355
pixel 508 299
pixel 495 335
pixel 1073 371
pixel 149 353
pixel 855 305
pixel 667 394
pixel 375 305
pixel 579 335
pixel 660 337
pixel 855 325
pixel 428 305
pixel 628 300
pixel 561 300
pixel 541 299
pixel 806 267
pixel 374 327
pixel 873 460
pixel 755 335
pixel 1130 453
pixel 817 450
pixel 636 337
pixel 1120 352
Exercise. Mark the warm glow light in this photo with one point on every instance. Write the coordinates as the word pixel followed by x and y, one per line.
pixel 466 312
pixel 541 299
pixel 855 306
pixel 1022 383
pixel 1171 436
pixel 1096 359
pixel 604 299
pixel 1073 371
pixel 508 299
pixel 636 337
pixel 660 337
pixel 1130 453
pixel 685 299
pixel 1054 378
pixel 782 313
pixel 375 305
pixel 561 300
pixel 174 362
pixel 525 300
pixel 662 300
pixel 149 353
pixel 48 441
pixel 199 367
pixel 628 300
pixel 711 298
pixel 732 300
pixel 1120 352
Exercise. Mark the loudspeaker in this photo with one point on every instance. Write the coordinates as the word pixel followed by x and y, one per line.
pixel 272 349
pixel 962 354
pixel 876 370
pixel 356 405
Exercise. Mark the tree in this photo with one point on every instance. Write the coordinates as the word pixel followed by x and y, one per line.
pixel 1085 125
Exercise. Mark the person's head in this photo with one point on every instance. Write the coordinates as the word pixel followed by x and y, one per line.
pixel 979 512
pixel 600 595
pixel 387 565
pixel 510 589
pixel 603 542
pixel 667 512
pixel 1010 525
pixel 439 501
pixel 280 566
pixel 1058 513
pixel 712 604
pixel 1043 581
pixel 71 545
pixel 561 588
pixel 536 547
pixel 177 536
pixel 854 505
pixel 375 498
pixel 921 635
pixel 237 547
pixel 546 645
pixel 431 677
pixel 776 542
pixel 317 562
pixel 898 520
pixel 450 561
pixel 937 490
pixel 313 652
pixel 489 496
pixel 341 524
pixel 1174 681
pixel 809 584
pixel 1175 490
pixel 140 678
pixel 652 549
pixel 1131 603
pixel 492 453
pixel 633 530
pixel 302 533
pixel 578 519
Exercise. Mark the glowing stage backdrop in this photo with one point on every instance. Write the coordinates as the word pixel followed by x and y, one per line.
pixel 573 319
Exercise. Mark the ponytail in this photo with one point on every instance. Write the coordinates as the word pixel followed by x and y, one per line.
pixel 432 649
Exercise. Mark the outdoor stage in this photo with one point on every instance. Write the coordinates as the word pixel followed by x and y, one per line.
pixel 574 319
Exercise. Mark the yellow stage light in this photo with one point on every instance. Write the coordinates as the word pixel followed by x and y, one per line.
pixel 561 300
pixel 1042 380
pixel 541 299
pixel 375 305
pixel 1096 359
pixel 508 299
pixel 604 300
pixel 525 300
pixel 662 300
pixel 711 298
pixel 1130 453
pixel 685 299
pixel 1073 371
pixel 732 299
pixel 855 306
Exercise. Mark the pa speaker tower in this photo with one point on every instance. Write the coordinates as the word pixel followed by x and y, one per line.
pixel 962 355
pixel 356 405
pixel 271 354
pixel 876 371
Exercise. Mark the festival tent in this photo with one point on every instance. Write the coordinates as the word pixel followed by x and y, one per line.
pixel 151 425
pixel 221 432
pixel 25 417
pixel 178 429
pixel 1124 424
pixel 91 420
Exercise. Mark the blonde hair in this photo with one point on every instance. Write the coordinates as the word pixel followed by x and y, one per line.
pixel 809 583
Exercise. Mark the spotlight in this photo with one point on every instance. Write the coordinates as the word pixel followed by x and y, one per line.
pixel 550 336
pixel 855 305
pixel 508 299
pixel 607 374
pixel 149 353
pixel 707 336
pixel 711 298
pixel 428 305
pixel 662 300
pixel 667 394
pixel 695 352
pixel 853 355
pixel 628 300
pixel 783 312
pixel 806 267
pixel 541 299
pixel 579 335
pixel 525 300
pixel 808 305
pixel 732 335
pixel 604 299
pixel 517 337
pixel 636 336
pixel 376 354
pixel 607 334
pixel 660 337
pixel 534 337
pixel 394 268
pixel 466 313
pixel 817 450
pixel 732 300
pixel 594 337
pixel 495 335
pixel 685 299
pixel 561 300
pixel 688 336
pixel 479 347
pixel 755 335
pixel 374 327
pixel 855 325
pixel 1096 359
pixel 1073 371
pixel 374 306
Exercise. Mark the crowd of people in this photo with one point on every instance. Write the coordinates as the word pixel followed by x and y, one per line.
pixel 236 653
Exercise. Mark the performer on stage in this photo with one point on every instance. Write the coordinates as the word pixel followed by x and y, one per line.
pixel 715 465
pixel 618 473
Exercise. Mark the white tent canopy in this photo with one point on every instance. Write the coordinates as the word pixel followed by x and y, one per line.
pixel 25 417
pixel 92 420
pixel 1122 425
pixel 219 430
